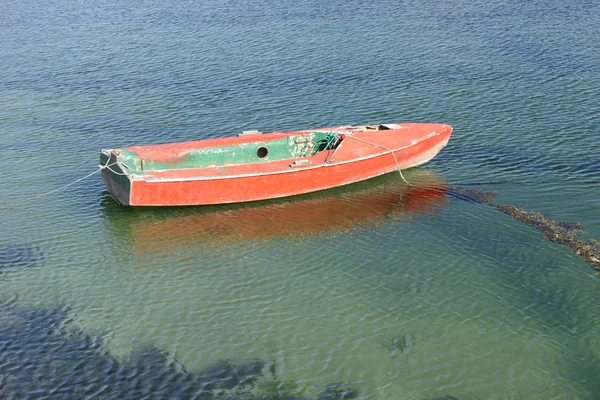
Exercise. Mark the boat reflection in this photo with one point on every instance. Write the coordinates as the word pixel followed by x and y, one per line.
pixel 356 206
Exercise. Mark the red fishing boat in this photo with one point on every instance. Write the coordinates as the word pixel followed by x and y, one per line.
pixel 255 166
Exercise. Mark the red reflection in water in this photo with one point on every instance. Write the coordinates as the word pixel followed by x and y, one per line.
pixel 326 212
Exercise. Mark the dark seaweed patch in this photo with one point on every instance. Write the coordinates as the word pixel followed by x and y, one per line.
pixel 43 356
pixel 472 195
pixel 22 255
pixel 553 308
pixel 564 233
pixel 559 232
pixel 396 345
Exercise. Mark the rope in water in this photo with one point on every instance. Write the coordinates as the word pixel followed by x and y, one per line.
pixel 100 168
pixel 350 135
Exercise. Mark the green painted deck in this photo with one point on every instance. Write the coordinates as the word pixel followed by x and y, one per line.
pixel 291 147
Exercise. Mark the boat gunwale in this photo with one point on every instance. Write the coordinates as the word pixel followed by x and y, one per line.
pixel 286 171
pixel 132 155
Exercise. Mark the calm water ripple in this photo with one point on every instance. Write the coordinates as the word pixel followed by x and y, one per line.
pixel 377 290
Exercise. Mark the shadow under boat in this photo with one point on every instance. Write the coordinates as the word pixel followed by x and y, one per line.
pixel 331 211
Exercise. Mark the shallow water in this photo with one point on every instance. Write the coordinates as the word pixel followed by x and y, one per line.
pixel 399 293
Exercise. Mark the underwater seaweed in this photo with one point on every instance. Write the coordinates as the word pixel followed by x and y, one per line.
pixel 564 233
pixel 42 355
pixel 472 195
pixel 400 344
pixel 21 255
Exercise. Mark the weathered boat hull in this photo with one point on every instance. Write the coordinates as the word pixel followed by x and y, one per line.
pixel 362 155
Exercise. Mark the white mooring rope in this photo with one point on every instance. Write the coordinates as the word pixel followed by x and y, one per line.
pixel 100 168
pixel 350 135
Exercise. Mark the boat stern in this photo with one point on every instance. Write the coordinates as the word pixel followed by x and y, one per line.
pixel 115 176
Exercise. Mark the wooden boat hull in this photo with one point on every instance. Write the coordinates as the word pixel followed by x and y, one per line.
pixel 362 154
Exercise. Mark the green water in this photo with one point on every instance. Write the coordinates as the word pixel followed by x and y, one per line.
pixel 401 293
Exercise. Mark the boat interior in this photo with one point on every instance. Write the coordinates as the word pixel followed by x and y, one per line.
pixel 291 147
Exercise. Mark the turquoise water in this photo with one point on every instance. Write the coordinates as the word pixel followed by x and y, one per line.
pixel 396 292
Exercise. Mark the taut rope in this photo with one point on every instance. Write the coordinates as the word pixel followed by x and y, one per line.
pixel 100 168
pixel 350 135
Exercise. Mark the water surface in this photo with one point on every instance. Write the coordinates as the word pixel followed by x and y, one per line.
pixel 396 292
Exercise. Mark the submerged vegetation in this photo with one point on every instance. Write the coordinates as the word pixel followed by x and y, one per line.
pixel 43 356
pixel 21 255
pixel 565 233
pixel 397 345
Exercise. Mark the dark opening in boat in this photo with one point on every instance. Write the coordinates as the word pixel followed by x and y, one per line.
pixel 262 152
pixel 379 127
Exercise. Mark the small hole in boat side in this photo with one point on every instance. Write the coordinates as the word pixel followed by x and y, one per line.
pixel 262 152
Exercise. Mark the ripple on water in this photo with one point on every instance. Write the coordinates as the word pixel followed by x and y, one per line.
pixel 43 353
pixel 467 302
